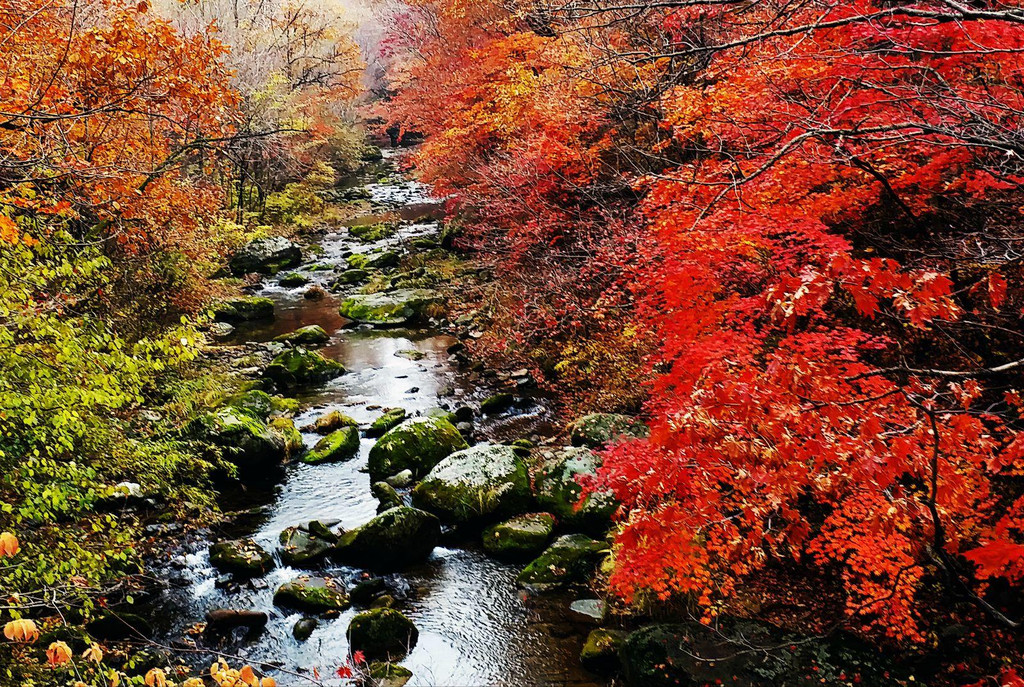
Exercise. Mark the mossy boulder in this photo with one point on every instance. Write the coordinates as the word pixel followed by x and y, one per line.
pixel 383 674
pixel 330 422
pixel 386 495
pixel 391 308
pixel 342 444
pixel 268 256
pixel 313 335
pixel 570 559
pixel 311 593
pixel 242 438
pixel 416 445
pixel 384 259
pixel 382 634
pixel 297 366
pixel 305 545
pixel 600 653
pixel 497 403
pixel 558 489
pixel 392 540
pixel 351 276
pixel 597 429
pixel 373 232
pixel 293 279
pixel 283 406
pixel 389 420
pixel 285 427
pixel 255 402
pixel 478 483
pixel 522 537
pixel 242 557
pixel 244 309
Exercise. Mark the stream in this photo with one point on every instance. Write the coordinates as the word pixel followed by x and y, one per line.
pixel 476 627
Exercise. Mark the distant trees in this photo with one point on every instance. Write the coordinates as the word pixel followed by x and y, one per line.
pixel 807 216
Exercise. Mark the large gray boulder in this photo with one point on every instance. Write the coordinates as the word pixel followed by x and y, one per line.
pixel 597 429
pixel 268 256
pixel 558 489
pixel 315 594
pixel 241 438
pixel 482 482
pixel 417 445
pixel 522 537
pixel 242 557
pixel 394 539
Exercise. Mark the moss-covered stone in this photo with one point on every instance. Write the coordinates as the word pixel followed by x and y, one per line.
pixel 411 354
pixel 392 540
pixel 244 309
pixel 598 429
pixel 330 422
pixel 388 675
pixel 242 557
pixel 313 335
pixel 497 403
pixel 522 537
pixel 391 308
pixel 482 482
pixel 386 495
pixel 342 444
pixel 254 402
pixel 300 546
pixel 600 653
pixel 284 406
pixel 352 276
pixel 417 445
pixel 570 559
pixel 293 279
pixel 382 634
pixel 242 438
pixel 389 420
pixel 316 594
pixel 559 490
pixel 297 366
pixel 373 232
pixel 356 261
pixel 285 427
pixel 384 259
pixel 269 256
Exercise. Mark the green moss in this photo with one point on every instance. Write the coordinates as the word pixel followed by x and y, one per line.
pixel 254 402
pixel 292 279
pixel 521 537
pixel 382 633
pixel 392 540
pixel 298 366
pixel 417 445
pixel 394 307
pixel 301 546
pixel 356 261
pixel 352 276
pixel 389 420
pixel 600 653
pixel 241 557
pixel 341 444
pixel 477 483
pixel 281 405
pixel 373 232
pixel 330 422
pixel 559 490
pixel 313 335
pixel 312 593
pixel 497 403
pixel 285 427
pixel 568 560
pixel 598 429
pixel 244 309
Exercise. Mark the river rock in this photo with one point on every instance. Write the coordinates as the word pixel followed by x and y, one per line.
pixel 221 620
pixel 254 402
pixel 244 309
pixel 588 610
pixel 389 420
pixel 304 628
pixel 284 426
pixel 316 594
pixel 601 651
pixel 242 438
pixel 392 540
pixel 400 480
pixel 313 335
pixel 522 537
pixel 297 366
pixel 242 557
pixel 269 256
pixel 384 674
pixel 386 495
pixel 383 260
pixel 497 403
pixel 477 483
pixel 382 634
pixel 292 279
pixel 392 308
pixel 417 445
pixel 301 546
pixel 366 590
pixel 570 559
pixel 597 429
pixel 219 331
pixel 558 490
pixel 332 421
pixel 339 445
pixel 351 276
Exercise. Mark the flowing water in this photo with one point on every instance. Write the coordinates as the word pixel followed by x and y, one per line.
pixel 476 627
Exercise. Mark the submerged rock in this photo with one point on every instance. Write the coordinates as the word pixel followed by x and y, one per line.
pixel 313 335
pixel 382 634
pixel 597 429
pixel 477 483
pixel 558 490
pixel 269 256
pixel 334 420
pixel 392 540
pixel 392 308
pixel 522 537
pixel 417 445
pixel 244 309
pixel 601 651
pixel 389 420
pixel 242 557
pixel 400 480
pixel 297 366
pixel 302 546
pixel 315 594
pixel 570 559
pixel 339 445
